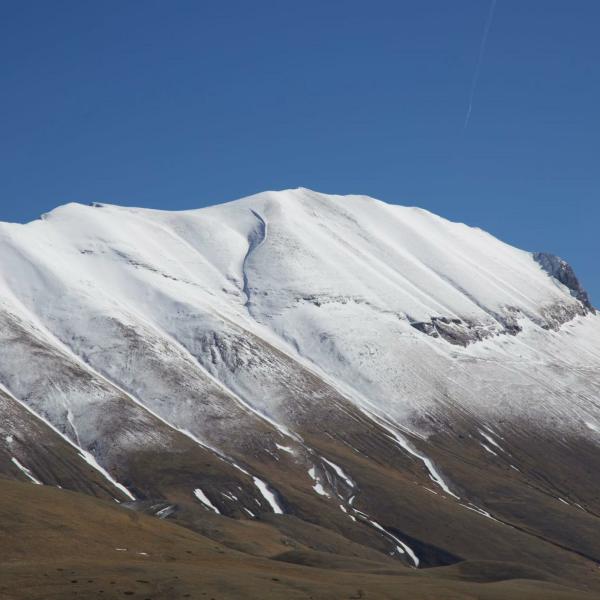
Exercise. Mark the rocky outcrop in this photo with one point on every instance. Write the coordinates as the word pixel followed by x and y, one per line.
pixel 562 271
pixel 455 331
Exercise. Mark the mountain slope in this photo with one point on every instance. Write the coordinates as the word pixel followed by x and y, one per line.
pixel 62 545
pixel 412 386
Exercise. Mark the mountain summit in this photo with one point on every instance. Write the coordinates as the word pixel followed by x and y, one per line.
pixel 358 378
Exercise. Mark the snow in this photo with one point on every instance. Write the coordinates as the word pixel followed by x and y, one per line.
pixel 240 469
pixel 90 460
pixel 479 511
pixel 268 495
pixel 163 513
pixel 491 440
pixel 427 462
pixel 204 499
pixel 401 547
pixel 319 489
pixel 85 455
pixel 317 486
pixel 26 471
pixel 228 323
pixel 287 449
pixel 488 449
pixel 339 472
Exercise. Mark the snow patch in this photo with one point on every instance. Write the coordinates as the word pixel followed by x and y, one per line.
pixel 163 513
pixel 26 471
pixel 485 447
pixel 479 511
pixel 90 460
pixel 268 495
pixel 405 445
pixel 204 499
pixel 287 449
pixel 593 427
pixel 317 486
pixel 491 440
pixel 339 472
pixel 401 547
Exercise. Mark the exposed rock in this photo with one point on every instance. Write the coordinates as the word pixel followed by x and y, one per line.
pixel 562 271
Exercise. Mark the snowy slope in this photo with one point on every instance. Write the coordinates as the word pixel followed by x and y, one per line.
pixel 381 300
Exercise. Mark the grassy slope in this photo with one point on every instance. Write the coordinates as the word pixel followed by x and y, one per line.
pixel 59 544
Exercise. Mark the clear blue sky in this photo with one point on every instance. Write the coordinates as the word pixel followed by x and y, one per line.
pixel 181 104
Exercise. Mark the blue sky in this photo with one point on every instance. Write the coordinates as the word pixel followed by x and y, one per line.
pixel 182 104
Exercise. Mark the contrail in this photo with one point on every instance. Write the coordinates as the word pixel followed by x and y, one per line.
pixel 484 38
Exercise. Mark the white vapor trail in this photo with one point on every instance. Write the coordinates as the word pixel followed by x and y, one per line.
pixel 486 31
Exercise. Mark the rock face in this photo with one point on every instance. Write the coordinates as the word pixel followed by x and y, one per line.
pixel 563 272
pixel 357 377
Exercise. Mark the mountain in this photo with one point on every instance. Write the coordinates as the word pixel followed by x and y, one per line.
pixel 310 379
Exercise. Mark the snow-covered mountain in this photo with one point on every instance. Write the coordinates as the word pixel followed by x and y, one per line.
pixel 411 384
